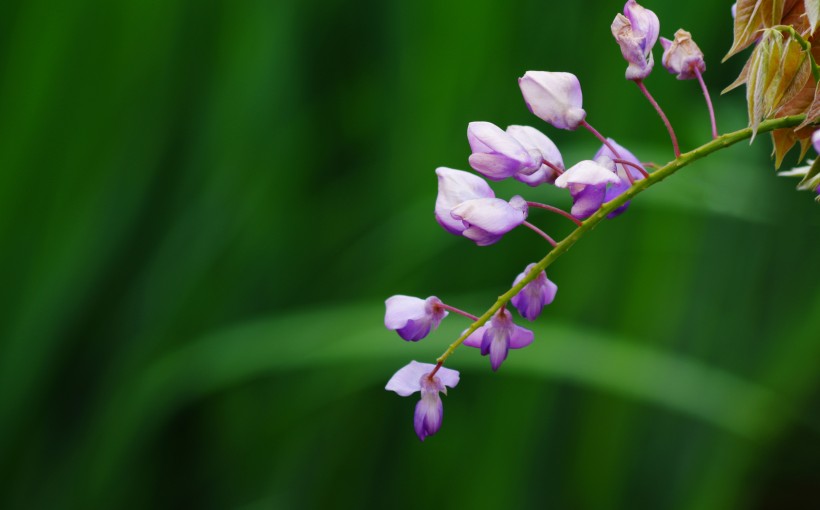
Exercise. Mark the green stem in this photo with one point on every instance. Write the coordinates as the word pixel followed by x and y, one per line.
pixel 590 223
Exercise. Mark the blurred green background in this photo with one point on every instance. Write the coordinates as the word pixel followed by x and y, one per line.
pixel 203 205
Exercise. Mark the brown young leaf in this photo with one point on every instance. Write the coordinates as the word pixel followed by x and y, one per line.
pixel 812 111
pixel 763 69
pixel 784 139
pixel 751 16
pixel 779 71
pixel 794 15
pixel 794 73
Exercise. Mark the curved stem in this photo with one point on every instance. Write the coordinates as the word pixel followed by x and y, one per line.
pixel 556 210
pixel 458 311
pixel 633 165
pixel 655 177
pixel 665 120
pixel 540 233
pixel 600 137
pixel 552 166
pixel 708 102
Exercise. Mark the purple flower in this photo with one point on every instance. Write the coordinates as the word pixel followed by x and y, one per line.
pixel 416 377
pixel 587 182
pixel 734 10
pixel 604 154
pixel 486 220
pixel 413 318
pixel 498 337
pixel 496 154
pixel 455 187
pixel 535 295
pixel 538 143
pixel 682 56
pixel 815 141
pixel 554 97
pixel 636 32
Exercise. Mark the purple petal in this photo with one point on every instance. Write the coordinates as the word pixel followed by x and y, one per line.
pixel 499 348
pixel 587 173
pixel 486 137
pixel 645 23
pixel 494 166
pixel 476 337
pixel 405 382
pixel 554 97
pixel 455 187
pixel 487 219
pixel 535 295
pixel 532 139
pixel 617 189
pixel 413 318
pixel 428 415
pixel 521 337
pixel 815 141
pixel 586 200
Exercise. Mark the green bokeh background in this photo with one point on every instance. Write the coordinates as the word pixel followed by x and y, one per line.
pixel 203 205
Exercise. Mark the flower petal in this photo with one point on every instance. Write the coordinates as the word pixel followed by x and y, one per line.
pixel 492 215
pixel 532 139
pixel 428 415
pixel 454 187
pixel 405 382
pixel 588 173
pixel 521 337
pixel 554 97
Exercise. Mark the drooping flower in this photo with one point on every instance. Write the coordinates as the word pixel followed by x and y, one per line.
pixel 604 154
pixel 496 154
pixel 455 187
pixel 587 181
pixel 537 142
pixel 429 410
pixel 486 220
pixel 535 295
pixel 499 336
pixel 636 32
pixel 682 56
pixel 413 318
pixel 554 97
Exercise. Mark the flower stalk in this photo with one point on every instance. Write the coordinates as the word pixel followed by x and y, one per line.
pixel 708 102
pixel 662 115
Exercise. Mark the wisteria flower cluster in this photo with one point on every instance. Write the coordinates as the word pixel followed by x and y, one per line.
pixel 600 187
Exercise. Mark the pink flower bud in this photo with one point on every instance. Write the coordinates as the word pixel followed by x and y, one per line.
pixel 682 56
pixel 636 32
pixel 554 97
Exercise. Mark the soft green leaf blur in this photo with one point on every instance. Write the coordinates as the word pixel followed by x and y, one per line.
pixel 203 206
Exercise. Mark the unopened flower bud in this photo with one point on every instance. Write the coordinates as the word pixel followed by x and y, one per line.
pixel 587 183
pixel 682 56
pixel 636 32
pixel 538 144
pixel 496 154
pixel 411 317
pixel 554 97
pixel 486 220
